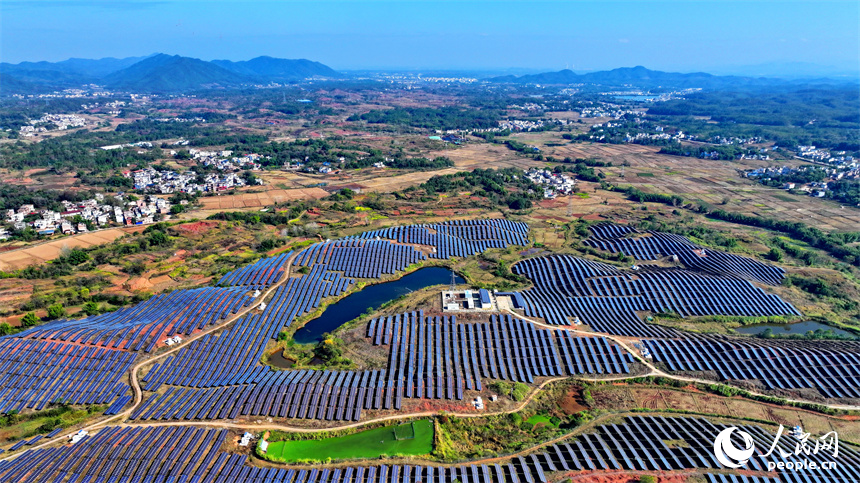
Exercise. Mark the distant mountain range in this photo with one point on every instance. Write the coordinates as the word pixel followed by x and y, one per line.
pixel 162 73
pixel 155 73
pixel 645 78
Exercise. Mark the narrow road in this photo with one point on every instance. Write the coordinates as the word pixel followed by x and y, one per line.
pixel 138 392
pixel 135 384
pixel 657 372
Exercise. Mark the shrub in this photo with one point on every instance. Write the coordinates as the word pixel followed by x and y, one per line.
pixel 520 391
pixel 56 311
pixel 30 320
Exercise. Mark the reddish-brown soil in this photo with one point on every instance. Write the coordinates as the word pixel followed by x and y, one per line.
pixel 572 402
pixel 197 228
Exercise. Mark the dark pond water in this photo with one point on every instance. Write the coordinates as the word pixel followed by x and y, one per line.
pixel 278 360
pixel 373 296
pixel 789 329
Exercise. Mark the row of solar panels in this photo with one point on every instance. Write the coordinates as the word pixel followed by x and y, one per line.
pixel 567 287
pixel 229 358
pixel 36 373
pixel 29 442
pixel 130 454
pixel 432 357
pixel 425 350
pixel 605 315
pixel 212 358
pixel 497 229
pixel 642 443
pixel 360 258
pixel 460 238
pixel 142 326
pixel 305 394
pixel 651 245
pixel 259 275
pixel 834 371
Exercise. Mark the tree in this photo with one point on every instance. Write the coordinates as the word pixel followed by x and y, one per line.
pixel 158 238
pixel 56 311
pixel 5 329
pixel 328 348
pixel 30 320
pixel 77 256
pixel 774 255
pixel 91 308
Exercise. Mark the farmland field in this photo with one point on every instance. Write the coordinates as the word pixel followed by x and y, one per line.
pixel 31 255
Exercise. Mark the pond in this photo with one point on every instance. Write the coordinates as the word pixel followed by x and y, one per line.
pixel 790 329
pixel 371 297
pixel 279 360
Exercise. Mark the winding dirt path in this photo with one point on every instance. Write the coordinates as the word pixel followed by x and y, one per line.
pixel 138 392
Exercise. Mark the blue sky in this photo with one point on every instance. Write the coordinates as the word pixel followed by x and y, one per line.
pixel 582 35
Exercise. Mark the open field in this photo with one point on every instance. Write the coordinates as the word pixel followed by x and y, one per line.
pixel 260 200
pixel 484 155
pixel 717 183
pixel 21 258
pixel 372 443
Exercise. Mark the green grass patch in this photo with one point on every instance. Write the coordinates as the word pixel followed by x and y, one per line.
pixel 645 175
pixel 782 197
pixel 582 195
pixel 538 419
pixel 410 439
pixel 14 427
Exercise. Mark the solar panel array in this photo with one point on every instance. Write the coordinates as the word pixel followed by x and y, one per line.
pixel 429 357
pixel 436 357
pixel 217 360
pixel 638 443
pixel 35 373
pixel 606 298
pixel 259 275
pixel 83 361
pixel 142 326
pixel 360 258
pixel 651 245
pixel 301 394
pixel 457 238
pixel 834 369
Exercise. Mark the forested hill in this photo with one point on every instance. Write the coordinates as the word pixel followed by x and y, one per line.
pixel 266 67
pixel 155 73
pixel 165 73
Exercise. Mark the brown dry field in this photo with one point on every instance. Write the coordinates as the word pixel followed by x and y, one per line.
pixel 259 200
pixel 32 178
pixel 468 157
pixel 621 397
pixel 709 181
pixel 21 258
pixel 484 155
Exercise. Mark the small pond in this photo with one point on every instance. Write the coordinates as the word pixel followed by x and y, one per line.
pixel 279 360
pixel 790 329
pixel 371 297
